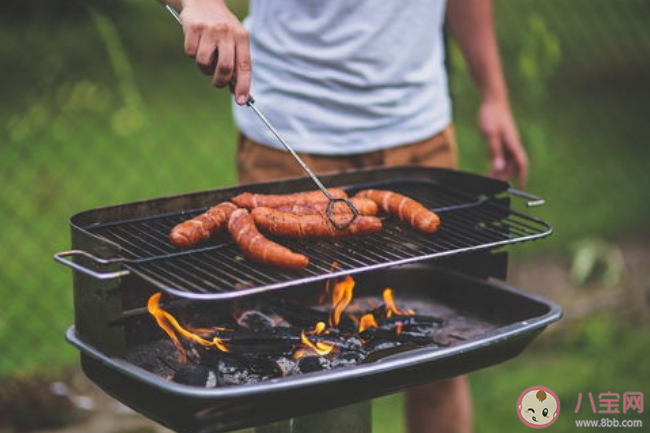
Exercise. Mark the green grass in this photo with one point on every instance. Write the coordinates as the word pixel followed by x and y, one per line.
pixel 117 113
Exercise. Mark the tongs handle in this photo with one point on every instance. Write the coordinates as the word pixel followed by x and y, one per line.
pixel 533 200
pixel 331 200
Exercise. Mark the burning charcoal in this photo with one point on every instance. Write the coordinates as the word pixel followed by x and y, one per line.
pixel 231 371
pixel 348 325
pixel 342 343
pixel 196 375
pixel 255 321
pixel 381 344
pixel 271 342
pixel 347 359
pixel 264 367
pixel 285 365
pixel 312 363
pixel 302 317
pixel 159 357
pixel 228 365
pixel 244 336
pixel 413 321
pixel 379 312
pixel 415 337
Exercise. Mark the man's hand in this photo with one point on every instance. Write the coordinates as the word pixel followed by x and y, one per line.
pixel 472 25
pixel 218 42
pixel 507 155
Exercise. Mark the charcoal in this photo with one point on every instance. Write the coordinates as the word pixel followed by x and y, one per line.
pixel 380 344
pixel 264 367
pixel 255 321
pixel 379 312
pixel 341 343
pixel 347 325
pixel 415 337
pixel 413 321
pixel 282 341
pixel 268 348
pixel 157 356
pixel 270 342
pixel 285 365
pixel 241 377
pixel 245 336
pixel 347 359
pixel 231 371
pixel 228 365
pixel 309 364
pixel 302 317
pixel 196 375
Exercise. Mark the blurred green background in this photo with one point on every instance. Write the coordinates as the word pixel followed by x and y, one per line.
pixel 100 106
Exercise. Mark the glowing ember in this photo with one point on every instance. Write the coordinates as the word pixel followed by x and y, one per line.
pixel 341 297
pixel 367 321
pixel 319 347
pixel 398 328
pixel 171 326
pixel 391 308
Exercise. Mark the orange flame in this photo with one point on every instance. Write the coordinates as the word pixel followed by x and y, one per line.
pixel 341 297
pixel 328 283
pixel 391 307
pixel 319 347
pixel 367 321
pixel 204 330
pixel 169 324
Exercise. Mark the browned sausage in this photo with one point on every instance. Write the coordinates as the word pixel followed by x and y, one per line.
pixel 249 201
pixel 364 206
pixel 406 209
pixel 289 225
pixel 202 227
pixel 256 247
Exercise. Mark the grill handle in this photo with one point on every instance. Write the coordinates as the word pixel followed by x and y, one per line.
pixel 533 200
pixel 60 257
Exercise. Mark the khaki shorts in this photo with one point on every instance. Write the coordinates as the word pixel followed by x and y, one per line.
pixel 258 163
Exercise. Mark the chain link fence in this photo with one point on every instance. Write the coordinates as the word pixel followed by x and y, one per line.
pixel 117 113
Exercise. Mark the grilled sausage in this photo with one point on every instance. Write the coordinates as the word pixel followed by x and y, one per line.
pixel 289 225
pixel 363 205
pixel 201 228
pixel 256 247
pixel 404 208
pixel 250 201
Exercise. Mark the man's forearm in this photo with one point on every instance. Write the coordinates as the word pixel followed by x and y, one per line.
pixel 472 25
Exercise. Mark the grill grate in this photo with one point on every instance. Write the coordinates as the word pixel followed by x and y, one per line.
pixel 218 271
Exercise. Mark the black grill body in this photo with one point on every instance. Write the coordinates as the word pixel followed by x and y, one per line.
pixel 513 317
pixel 132 260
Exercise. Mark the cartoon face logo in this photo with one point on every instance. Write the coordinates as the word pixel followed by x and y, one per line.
pixel 538 407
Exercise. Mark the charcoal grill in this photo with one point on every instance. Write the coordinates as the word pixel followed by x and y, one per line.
pixel 121 256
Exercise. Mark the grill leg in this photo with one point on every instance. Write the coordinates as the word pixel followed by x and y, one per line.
pixel 348 419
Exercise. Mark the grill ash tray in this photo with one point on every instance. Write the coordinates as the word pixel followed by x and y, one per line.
pixel 485 323
pixel 134 237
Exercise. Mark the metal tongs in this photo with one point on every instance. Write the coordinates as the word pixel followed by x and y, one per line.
pixel 329 210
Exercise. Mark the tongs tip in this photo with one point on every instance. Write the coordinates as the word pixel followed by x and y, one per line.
pixel 329 211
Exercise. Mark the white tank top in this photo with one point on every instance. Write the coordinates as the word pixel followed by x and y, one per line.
pixel 347 76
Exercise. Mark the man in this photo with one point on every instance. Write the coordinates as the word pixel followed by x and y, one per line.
pixel 353 83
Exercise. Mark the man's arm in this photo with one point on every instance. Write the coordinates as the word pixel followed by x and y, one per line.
pixel 472 25
pixel 218 42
